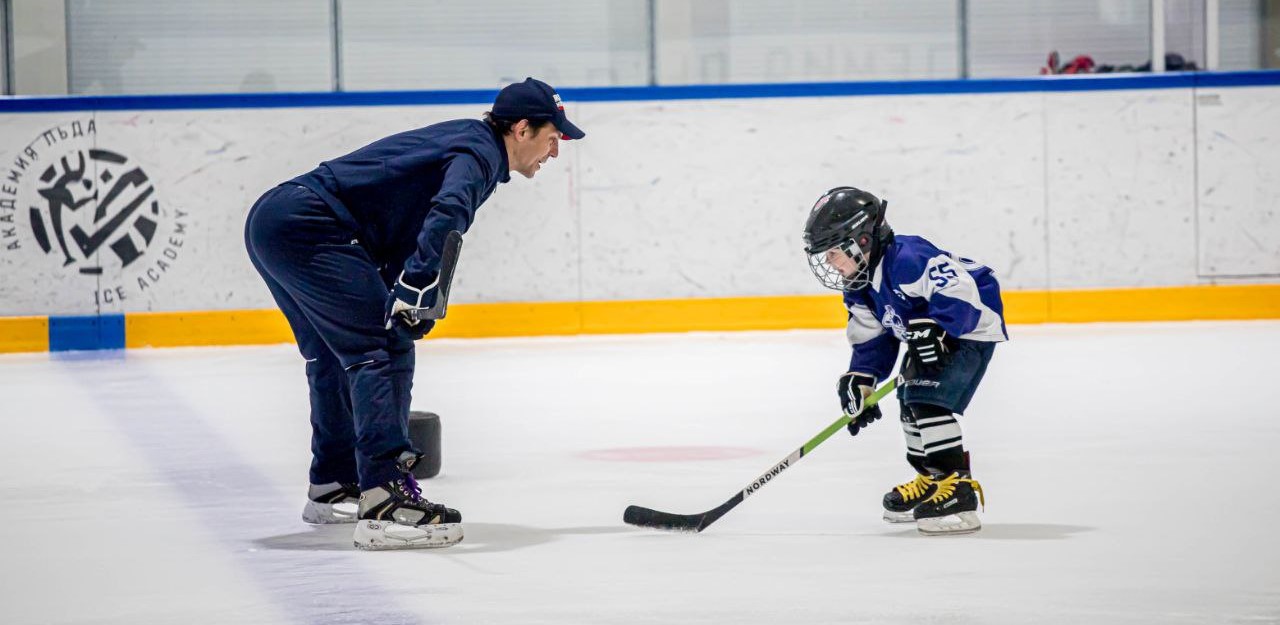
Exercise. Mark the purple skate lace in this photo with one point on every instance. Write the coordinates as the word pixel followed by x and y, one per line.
pixel 411 487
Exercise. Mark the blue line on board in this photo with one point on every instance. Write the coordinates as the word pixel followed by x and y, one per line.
pixel 1095 82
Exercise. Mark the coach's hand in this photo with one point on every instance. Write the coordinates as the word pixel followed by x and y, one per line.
pixel 405 298
pixel 854 388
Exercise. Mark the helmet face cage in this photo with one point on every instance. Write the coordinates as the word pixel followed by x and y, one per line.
pixel 831 277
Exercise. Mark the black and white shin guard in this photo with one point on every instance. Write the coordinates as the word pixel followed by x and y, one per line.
pixel 915 446
pixel 940 439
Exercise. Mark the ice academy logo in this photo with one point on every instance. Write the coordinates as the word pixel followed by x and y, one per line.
pixel 91 210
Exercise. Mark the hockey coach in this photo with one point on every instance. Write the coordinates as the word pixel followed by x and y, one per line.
pixel 357 254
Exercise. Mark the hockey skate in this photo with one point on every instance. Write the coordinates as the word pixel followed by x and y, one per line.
pixel 953 507
pixel 331 503
pixel 395 516
pixel 901 501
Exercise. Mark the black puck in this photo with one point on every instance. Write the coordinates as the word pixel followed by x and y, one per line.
pixel 424 434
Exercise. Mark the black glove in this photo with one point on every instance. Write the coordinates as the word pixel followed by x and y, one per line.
pixel 854 389
pixel 927 344
pixel 405 297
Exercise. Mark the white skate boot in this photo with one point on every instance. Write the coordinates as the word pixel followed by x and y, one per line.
pixel 395 516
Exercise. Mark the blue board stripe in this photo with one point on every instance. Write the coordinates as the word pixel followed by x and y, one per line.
pixel 1096 82
pixel 86 332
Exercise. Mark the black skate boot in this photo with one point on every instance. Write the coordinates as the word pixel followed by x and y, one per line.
pixel 901 501
pixel 395 516
pixel 953 507
pixel 331 503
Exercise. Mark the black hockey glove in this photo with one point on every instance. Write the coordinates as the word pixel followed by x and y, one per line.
pixel 405 297
pixel 927 344
pixel 854 389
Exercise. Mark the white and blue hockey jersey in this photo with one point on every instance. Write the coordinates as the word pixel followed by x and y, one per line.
pixel 916 280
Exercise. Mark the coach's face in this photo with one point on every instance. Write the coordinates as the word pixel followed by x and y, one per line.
pixel 531 147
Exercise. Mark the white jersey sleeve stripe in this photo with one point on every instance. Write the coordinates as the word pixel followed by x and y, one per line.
pixel 863 325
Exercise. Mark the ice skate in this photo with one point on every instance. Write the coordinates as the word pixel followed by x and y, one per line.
pixel 953 507
pixel 901 501
pixel 395 516
pixel 331 503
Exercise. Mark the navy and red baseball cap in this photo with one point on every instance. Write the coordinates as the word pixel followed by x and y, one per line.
pixel 535 100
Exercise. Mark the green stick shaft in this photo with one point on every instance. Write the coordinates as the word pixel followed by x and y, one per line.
pixel 874 399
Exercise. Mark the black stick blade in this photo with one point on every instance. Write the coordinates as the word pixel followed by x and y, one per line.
pixel 645 517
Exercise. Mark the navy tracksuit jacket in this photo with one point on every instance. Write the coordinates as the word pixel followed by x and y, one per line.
pixel 330 243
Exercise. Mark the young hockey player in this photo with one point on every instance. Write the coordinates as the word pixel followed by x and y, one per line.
pixel 946 309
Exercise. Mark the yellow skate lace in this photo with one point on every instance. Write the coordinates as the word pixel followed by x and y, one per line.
pixel 915 488
pixel 947 486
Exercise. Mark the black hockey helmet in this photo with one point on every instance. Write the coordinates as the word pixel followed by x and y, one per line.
pixel 847 221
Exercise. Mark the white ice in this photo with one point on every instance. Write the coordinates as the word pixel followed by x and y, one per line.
pixel 1129 471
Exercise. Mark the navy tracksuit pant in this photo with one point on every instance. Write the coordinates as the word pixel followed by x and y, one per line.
pixel 334 297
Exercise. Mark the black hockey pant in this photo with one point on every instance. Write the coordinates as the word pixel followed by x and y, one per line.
pixel 334 298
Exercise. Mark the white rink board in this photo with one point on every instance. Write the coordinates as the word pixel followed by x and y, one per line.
pixel 1121 189
pixel 700 198
pixel 1239 217
pixel 717 207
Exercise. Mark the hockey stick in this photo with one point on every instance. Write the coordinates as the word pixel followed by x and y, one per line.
pixel 448 261
pixel 646 517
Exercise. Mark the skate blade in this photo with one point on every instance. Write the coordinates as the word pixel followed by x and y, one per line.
pixel 317 513
pixel 386 535
pixel 960 523
pixel 899 517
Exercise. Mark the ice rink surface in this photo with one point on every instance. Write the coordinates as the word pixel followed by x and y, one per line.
pixel 1129 472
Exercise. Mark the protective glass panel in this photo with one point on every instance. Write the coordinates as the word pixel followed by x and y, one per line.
pixel 1240 36
pixel 770 41
pixel 1184 36
pixel 185 46
pixel 1015 37
pixel 482 44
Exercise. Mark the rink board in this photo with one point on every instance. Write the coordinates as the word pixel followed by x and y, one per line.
pixel 681 210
